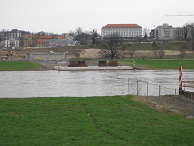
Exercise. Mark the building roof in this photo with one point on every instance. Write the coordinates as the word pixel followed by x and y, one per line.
pixel 61 37
pixel 44 37
pixel 189 37
pixel 89 38
pixel 122 26
pixel 17 31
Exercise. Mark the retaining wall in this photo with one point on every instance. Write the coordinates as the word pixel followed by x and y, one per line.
pixel 47 56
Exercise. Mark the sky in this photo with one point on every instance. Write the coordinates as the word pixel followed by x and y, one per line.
pixel 61 16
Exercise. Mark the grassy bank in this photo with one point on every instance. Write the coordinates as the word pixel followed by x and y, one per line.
pixel 160 63
pixel 18 66
pixel 152 64
pixel 88 121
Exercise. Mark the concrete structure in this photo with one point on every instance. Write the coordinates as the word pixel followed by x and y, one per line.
pixel 123 30
pixel 66 68
pixel 165 32
pixel 47 56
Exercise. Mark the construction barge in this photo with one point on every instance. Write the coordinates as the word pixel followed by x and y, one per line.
pixel 80 66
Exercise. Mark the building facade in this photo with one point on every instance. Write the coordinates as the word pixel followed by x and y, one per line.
pixel 123 30
pixel 165 32
pixel 10 42
pixel 62 42
pixel 40 41
pixel 15 33
pixel 180 32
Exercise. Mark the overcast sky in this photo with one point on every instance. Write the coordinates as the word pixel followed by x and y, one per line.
pixel 60 16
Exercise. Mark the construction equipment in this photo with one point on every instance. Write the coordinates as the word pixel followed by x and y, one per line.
pixel 179 14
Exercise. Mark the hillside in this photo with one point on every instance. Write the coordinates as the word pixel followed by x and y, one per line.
pixel 92 51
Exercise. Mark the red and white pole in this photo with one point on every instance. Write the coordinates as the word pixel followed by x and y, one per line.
pixel 58 65
pixel 134 63
pixel 180 78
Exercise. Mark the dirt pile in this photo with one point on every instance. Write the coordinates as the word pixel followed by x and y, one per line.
pixel 90 53
pixel 9 55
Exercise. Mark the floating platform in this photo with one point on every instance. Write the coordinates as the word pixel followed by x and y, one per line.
pixel 66 68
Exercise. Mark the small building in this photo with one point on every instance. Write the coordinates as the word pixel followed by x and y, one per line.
pixel 62 42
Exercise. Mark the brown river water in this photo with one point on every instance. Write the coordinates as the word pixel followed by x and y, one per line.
pixel 22 84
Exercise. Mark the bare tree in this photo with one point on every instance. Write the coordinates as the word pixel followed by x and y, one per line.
pixel 189 29
pixel 183 48
pixel 78 31
pixel 146 32
pixel 112 46
pixel 94 35
pixel 161 54
pixel 82 38
pixel 131 51
pixel 155 49
pixel 71 33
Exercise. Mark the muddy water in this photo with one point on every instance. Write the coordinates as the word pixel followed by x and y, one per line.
pixel 20 84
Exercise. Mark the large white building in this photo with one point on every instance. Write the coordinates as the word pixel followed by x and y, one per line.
pixel 10 42
pixel 123 30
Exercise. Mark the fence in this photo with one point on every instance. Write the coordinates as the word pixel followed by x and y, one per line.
pixel 161 96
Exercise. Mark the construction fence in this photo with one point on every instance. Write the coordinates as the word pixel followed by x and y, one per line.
pixel 162 96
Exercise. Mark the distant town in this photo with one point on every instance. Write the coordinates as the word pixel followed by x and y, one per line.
pixel 128 32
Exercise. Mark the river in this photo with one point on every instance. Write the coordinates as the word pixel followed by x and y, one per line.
pixel 21 84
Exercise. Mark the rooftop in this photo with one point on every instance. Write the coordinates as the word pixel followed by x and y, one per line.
pixel 122 26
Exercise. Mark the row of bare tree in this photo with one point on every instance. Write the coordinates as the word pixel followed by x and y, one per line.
pixel 113 46
pixel 82 36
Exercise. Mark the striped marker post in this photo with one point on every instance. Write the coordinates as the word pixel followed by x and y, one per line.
pixel 134 65
pixel 180 79
pixel 58 65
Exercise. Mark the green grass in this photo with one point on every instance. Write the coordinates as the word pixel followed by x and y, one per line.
pixel 18 66
pixel 117 120
pixel 170 57
pixel 162 64
pixel 153 64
